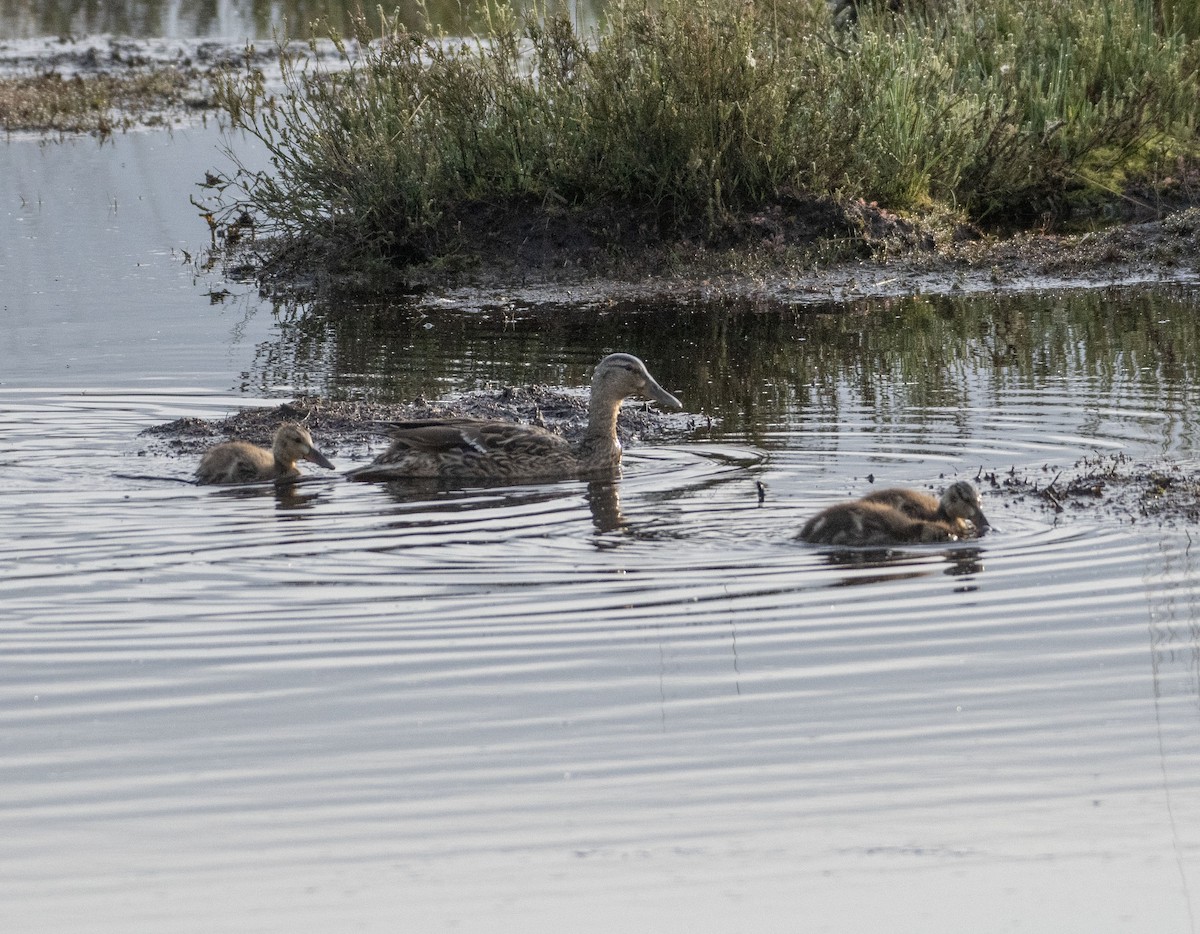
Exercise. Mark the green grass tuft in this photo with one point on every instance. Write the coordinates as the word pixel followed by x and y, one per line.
pixel 684 113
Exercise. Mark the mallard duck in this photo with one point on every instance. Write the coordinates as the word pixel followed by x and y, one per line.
pixel 957 506
pixel 242 462
pixel 496 451
pixel 872 525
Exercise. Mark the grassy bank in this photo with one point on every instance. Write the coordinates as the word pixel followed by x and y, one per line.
pixel 685 117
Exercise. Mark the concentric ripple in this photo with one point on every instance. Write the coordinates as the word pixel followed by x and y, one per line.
pixel 582 685
pixel 565 707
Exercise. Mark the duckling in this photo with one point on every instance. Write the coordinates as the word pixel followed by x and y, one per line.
pixel 958 506
pixel 872 525
pixel 242 462
pixel 499 452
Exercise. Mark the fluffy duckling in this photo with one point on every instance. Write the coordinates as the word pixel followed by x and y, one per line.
pixel 872 525
pixel 498 452
pixel 242 462
pixel 958 506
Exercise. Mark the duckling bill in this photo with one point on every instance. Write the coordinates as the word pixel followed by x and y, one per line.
pixel 242 462
pixel 478 450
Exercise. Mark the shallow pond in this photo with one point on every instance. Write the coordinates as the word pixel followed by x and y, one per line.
pixel 639 706
pixel 229 19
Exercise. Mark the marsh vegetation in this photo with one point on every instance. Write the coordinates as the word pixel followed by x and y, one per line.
pixel 686 121
pixel 100 103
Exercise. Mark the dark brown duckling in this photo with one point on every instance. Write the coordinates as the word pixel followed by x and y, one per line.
pixel 957 506
pixel 504 452
pixel 242 462
pixel 863 524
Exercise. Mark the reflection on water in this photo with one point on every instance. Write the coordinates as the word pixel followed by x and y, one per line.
pixel 287 494
pixel 227 19
pixel 760 368
pixel 885 564
pixel 604 500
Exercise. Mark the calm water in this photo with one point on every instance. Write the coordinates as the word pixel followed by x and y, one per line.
pixel 228 19
pixel 633 707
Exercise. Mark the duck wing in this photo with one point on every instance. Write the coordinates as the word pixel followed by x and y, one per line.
pixel 913 503
pixel 234 462
pixel 471 436
pixel 471 449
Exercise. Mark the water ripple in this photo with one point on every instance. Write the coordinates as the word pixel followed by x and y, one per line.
pixel 383 670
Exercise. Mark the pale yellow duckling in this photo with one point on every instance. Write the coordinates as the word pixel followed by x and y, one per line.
pixel 863 524
pixel 958 506
pixel 242 462
pixel 503 452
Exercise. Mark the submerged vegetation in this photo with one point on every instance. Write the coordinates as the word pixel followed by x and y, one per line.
pixel 98 103
pixel 688 119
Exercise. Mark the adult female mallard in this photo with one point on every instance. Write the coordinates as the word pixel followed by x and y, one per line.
pixel 957 506
pixel 242 462
pixel 864 524
pixel 502 452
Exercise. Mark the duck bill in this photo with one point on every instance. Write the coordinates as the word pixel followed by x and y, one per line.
pixel 981 523
pixel 656 393
pixel 318 458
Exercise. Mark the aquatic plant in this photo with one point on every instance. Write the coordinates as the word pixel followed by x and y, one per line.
pixel 675 116
pixel 97 103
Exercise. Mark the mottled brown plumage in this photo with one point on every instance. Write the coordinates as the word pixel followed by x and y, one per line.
pixel 872 525
pixel 242 462
pixel 958 506
pixel 502 452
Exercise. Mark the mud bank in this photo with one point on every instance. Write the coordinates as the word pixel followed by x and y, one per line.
pixel 1112 485
pixel 360 430
pixel 809 256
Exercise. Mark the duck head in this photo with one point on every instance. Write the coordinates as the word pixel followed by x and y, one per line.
pixel 293 442
pixel 620 375
pixel 961 501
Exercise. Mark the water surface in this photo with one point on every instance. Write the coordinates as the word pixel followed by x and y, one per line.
pixel 229 19
pixel 628 706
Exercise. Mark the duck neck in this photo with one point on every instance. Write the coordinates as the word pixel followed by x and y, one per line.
pixel 600 441
pixel 943 515
pixel 283 466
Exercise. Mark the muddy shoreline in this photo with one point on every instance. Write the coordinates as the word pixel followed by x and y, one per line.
pixel 853 251
pixel 359 430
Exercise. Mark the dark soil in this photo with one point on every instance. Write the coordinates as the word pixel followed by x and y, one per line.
pixel 529 243
pixel 802 249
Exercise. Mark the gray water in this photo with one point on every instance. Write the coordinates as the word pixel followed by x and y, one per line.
pixel 641 706
pixel 236 20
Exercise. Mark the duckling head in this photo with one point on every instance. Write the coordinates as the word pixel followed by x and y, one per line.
pixel 961 501
pixel 620 375
pixel 293 442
